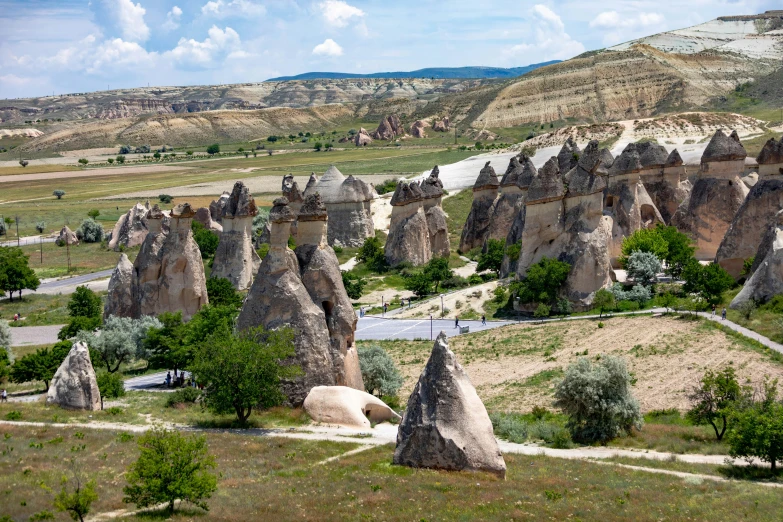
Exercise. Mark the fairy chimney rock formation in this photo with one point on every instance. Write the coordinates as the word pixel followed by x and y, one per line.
pixel 523 179
pixel 74 385
pixel 362 138
pixel 757 213
pixel 417 129
pixel 432 194
pixel 348 203
pixel 119 300
pixel 131 229
pixel 441 125
pixel 235 258
pixel 568 156
pixel 513 189
pixel 716 197
pixel 627 200
pixel 389 128
pixel 485 191
pixel 409 234
pixel 216 207
pixel 766 280
pixel 445 425
pixel 204 216
pixel 66 236
pixel 321 276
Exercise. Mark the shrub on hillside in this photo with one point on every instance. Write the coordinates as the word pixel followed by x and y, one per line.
pixel 90 231
pixel 380 374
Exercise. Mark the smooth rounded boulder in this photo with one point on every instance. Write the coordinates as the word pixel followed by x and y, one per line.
pixel 346 406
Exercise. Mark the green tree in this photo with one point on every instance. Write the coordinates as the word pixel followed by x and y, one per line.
pixel 83 162
pixel 644 240
pixel 58 194
pixel 40 365
pixel 222 293
pixel 120 159
pixel 120 340
pixel 715 398
pixel 379 373
pixel 419 283
pixel 165 198
pixel 643 267
pixel 208 320
pixel 171 466
pixel 603 300
pixel 371 254
pixel 437 270
pixel 78 324
pixel 757 430
pixel 492 259
pixel 241 371
pixel 111 386
pixel 709 281
pixel 668 301
pixel 84 303
pixel 206 240
pixel 542 311
pixel 542 282
pixel 90 231
pixel 15 274
pixel 5 334
pixel 213 149
pixel 77 503
pixel 94 213
pixel 597 399
pixel 679 249
pixel 354 285
pixel 167 347
pixel 40 226
pixel 5 365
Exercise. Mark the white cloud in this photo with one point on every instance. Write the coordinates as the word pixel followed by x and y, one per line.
pixel 235 8
pixel 219 44
pixel 172 19
pixel 130 19
pixel 551 41
pixel 328 48
pixel 338 13
pixel 623 27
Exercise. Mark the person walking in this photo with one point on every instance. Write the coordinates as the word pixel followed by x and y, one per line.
pixel 713 310
pixel 723 314
pixel 456 322
pixel 168 379
pixel 361 311
pixel 4 396
pixel 483 320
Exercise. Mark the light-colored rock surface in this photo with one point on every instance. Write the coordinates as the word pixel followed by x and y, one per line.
pixel 131 229
pixel 513 189
pixel 417 129
pixel 74 385
pixel 346 407
pixel 119 300
pixel 441 125
pixel 757 213
pixel 362 138
pixel 235 257
pixel 348 202
pixel 717 195
pixel 66 236
pixel 216 207
pixel 445 425
pixel 409 232
pixel 485 191
pixel 204 216
pixel 432 193
pixel 767 278
pixel 389 128
pixel 664 177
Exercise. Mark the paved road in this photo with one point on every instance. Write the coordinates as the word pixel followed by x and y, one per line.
pixel 150 382
pixel 27 240
pixel 378 328
pixel 68 285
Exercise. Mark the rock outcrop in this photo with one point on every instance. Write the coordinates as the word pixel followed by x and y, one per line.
pixel 568 156
pixel 664 177
pixel 119 300
pixel 389 128
pixel 766 280
pixel 409 233
pixel 131 229
pixel 417 129
pixel 627 200
pixel 169 272
pixel 485 192
pixel 441 125
pixel 66 237
pixel 348 203
pixel 346 407
pixel 216 207
pixel 757 213
pixel 514 235
pixel 362 138
pixel 513 189
pixel 204 216
pixel 717 195
pixel 321 276
pixel 74 385
pixel 445 425
pixel 235 258
pixel 432 196
pixel 279 298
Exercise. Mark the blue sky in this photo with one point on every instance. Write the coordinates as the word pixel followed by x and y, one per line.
pixel 60 46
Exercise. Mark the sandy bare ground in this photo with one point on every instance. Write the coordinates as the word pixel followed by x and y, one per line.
pixel 88 173
pixel 666 355
pixel 264 184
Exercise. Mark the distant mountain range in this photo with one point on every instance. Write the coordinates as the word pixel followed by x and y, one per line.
pixel 430 72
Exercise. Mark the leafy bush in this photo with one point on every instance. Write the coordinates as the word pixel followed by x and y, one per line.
pixel 354 285
pixel 90 231
pixel 643 267
pixel 213 149
pixel 542 282
pixel 58 194
pixel 456 282
pixel 83 161
pixel 206 240
pixel 13 415
pixel 380 374
pixel 143 149
pixel 165 198
pixel 221 292
pixel 110 385
pixel 604 301
pixel 542 311
pixel 758 429
pixel 125 149
pixel 597 399
pixel 509 427
pixel 708 281
pixel 5 335
pixel 85 303
pixel 78 324
pixel 389 185
pixel 637 294
pixel 171 466
pixel 493 257
pixel 715 398
pixel 183 396
pixel 371 254
pixel 120 159
pixel 40 226
pixel 78 503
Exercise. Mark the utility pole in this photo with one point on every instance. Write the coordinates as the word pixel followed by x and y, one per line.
pixel 455 135
pixel 17 232
pixel 40 239
pixel 68 250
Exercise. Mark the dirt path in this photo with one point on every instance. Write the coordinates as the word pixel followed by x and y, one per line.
pixel 89 173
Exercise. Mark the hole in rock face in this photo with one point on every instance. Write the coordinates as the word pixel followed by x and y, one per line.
pixel 609 201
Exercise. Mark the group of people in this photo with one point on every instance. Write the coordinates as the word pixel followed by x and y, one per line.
pixel 179 380
pixel 722 314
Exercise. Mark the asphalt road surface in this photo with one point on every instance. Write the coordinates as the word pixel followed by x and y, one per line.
pixel 378 328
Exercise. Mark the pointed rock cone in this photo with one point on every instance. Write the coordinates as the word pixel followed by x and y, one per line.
pixel 74 385
pixel 445 425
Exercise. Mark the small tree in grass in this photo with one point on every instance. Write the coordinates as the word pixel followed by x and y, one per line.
pixel 78 502
pixel 58 193
pixel 40 226
pixel 171 467
pixel 597 399
pixel 244 370
pixel 747 308
pixel 90 231
pixel 541 311
pixel 379 373
pixel 715 398
pixel 668 301
pixel 120 340
pixel 709 281
pixel 603 300
pixel 83 162
pixel 213 149
pixel 94 213
pixel 757 430
pixel 437 270
pixel 493 257
pixel 643 267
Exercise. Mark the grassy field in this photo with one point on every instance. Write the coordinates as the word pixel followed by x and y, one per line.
pixel 457 207
pixel 38 310
pixel 37 169
pixel 280 479
pixel 85 258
